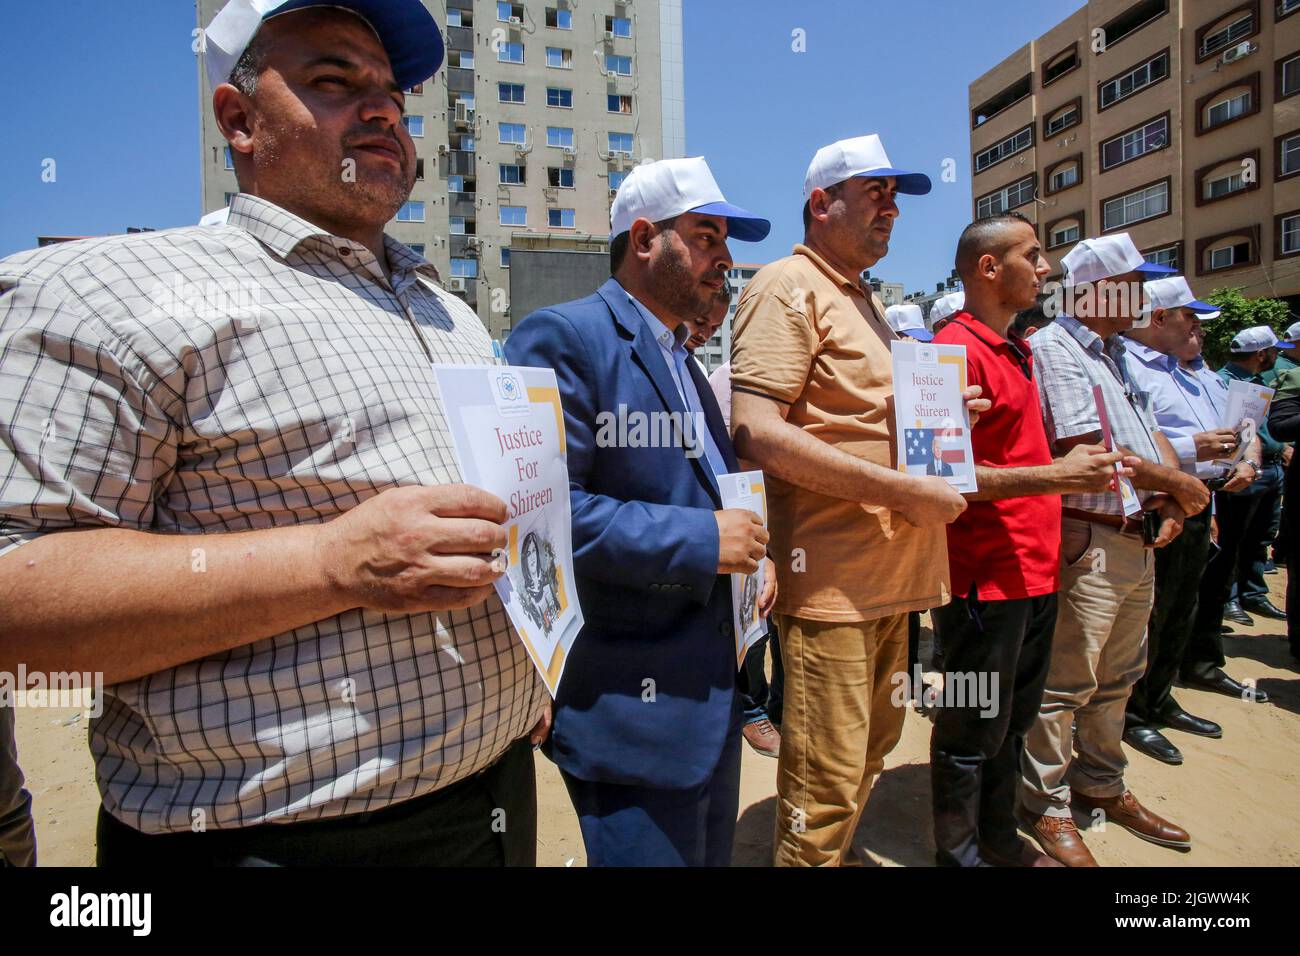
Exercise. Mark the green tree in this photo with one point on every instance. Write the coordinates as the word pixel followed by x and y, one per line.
pixel 1239 313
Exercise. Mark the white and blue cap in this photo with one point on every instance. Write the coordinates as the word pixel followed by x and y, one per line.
pixel 945 307
pixel 860 156
pixel 1256 338
pixel 906 319
pixel 1292 332
pixel 405 28
pixel 670 187
pixel 1106 257
pixel 1173 292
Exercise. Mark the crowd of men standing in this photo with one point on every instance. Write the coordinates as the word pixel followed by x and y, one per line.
pixel 339 684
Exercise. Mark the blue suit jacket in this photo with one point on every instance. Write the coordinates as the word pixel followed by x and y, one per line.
pixel 646 697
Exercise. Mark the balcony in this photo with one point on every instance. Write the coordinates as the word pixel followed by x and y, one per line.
pixel 460 162
pixel 461 204
pixel 460 80
pixel 460 38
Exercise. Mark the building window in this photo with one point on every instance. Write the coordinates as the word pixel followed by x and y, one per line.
pixel 620 143
pixel 1133 80
pixel 1007 98
pixel 1224 185
pixel 1063 118
pixel 416 247
pixel 1013 144
pixel 1287 7
pixel 512 175
pixel 561 177
pixel 509 11
pixel 622 65
pixel 230 159
pixel 453 18
pixel 1223 34
pixel 516 133
pixel 510 53
pixel 619 26
pixel 559 218
pixel 1229 254
pixel 464 59
pixel 1132 20
pixel 419 169
pixel 1165 256
pixel 1064 176
pixel 505 257
pixel 1065 231
pixel 1009 197
pixel 616 180
pixel 465 142
pixel 1146 203
pixel 1288 158
pixel 455 184
pixel 512 215
pixel 1064 62
pixel 411 211
pixel 559 58
pixel 464 268
pixel 456 225
pixel 559 97
pixel 1287 77
pixel 230 197
pixel 1287 235
pixel 558 19
pixel 1227 177
pixel 559 136
pixel 1126 147
pixel 1228 108
pixel 414 125
pixel 510 92
pixel 618 103
pixel 416 90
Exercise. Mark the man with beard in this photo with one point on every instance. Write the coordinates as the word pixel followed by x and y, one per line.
pixel 1003 554
pixel 1188 415
pixel 647 719
pixel 705 326
pixel 247 517
pixel 859 543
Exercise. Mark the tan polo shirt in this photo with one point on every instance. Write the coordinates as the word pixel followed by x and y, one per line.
pixel 810 338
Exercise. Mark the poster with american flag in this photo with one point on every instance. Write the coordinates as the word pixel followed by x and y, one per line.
pixel 931 422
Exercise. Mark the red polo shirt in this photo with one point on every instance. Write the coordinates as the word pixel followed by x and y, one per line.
pixel 1011 548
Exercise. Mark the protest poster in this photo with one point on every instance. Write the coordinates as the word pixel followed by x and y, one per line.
pixel 930 417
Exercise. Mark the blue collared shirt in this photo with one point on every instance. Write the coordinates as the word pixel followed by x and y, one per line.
pixel 1180 400
pixel 672 345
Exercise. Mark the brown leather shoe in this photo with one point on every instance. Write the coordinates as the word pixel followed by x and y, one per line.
pixel 1125 811
pixel 1020 854
pixel 763 737
pixel 1060 839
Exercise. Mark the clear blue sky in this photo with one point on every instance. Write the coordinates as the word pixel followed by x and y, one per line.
pixel 109 91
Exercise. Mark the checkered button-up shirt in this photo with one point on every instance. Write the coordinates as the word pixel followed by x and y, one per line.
pixel 255 375
pixel 1069 359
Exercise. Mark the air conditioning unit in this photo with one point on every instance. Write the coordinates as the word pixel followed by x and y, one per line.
pixel 613 191
pixel 516 22
pixel 619 161
pixel 522 149
pixel 609 36
pixel 442 149
pixel 1232 54
pixel 462 114
pixel 550 193
pixel 570 151
pixel 456 284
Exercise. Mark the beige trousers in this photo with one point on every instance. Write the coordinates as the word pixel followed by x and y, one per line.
pixel 843 713
pixel 1099 650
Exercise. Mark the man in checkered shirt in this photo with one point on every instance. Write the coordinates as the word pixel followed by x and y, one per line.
pixel 226 484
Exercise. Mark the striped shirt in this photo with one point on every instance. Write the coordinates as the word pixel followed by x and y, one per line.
pixel 255 375
pixel 1069 359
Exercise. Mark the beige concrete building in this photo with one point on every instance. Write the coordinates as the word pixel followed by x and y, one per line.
pixel 1175 120
pixel 539 110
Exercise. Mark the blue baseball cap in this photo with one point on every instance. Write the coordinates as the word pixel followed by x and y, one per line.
pixel 405 28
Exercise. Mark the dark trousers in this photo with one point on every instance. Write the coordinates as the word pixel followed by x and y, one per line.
pixel 1243 518
pixel 489 819
pixel 1179 566
pixel 1251 583
pixel 17 832
pixel 646 826
pixel 763 698
pixel 1291 532
pixel 974 756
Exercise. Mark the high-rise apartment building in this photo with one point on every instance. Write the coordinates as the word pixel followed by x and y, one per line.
pixel 1177 121
pixel 540 109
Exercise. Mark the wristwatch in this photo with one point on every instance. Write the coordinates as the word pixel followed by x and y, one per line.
pixel 1253 467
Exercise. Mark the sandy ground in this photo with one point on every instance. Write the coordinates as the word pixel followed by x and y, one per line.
pixel 1236 796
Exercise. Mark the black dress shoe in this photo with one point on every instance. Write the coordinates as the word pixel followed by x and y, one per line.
pixel 1153 743
pixel 1178 719
pixel 1219 682
pixel 1264 608
pixel 1232 612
